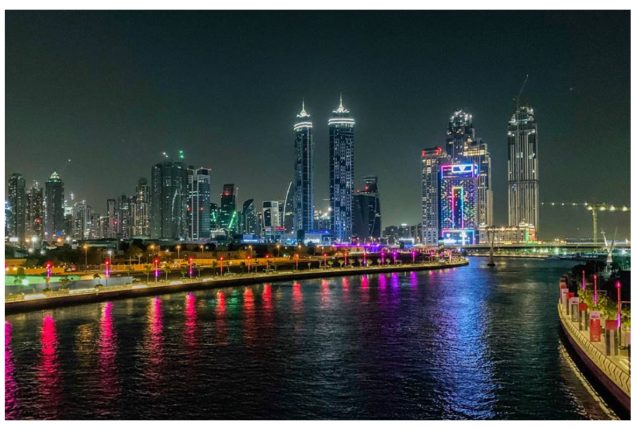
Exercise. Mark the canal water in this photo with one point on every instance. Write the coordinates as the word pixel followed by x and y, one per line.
pixel 464 343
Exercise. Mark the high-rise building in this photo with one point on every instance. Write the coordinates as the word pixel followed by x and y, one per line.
pixel 288 210
pixel 250 218
pixel 198 204
pixel 125 216
pixel 367 211
pixel 81 220
pixel 17 204
pixel 522 168
pixel 459 200
pixel 463 146
pixel 35 212
pixel 228 217
pixel 431 158
pixel 54 207
pixel 271 220
pixel 168 211
pixel 303 183
pixel 214 216
pixel 141 211
pixel 112 212
pixel 341 172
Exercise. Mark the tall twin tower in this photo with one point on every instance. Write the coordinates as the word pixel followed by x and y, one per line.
pixel 341 173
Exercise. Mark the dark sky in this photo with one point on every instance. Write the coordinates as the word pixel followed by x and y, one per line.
pixel 112 90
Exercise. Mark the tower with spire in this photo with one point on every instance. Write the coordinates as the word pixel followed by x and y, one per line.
pixel 303 179
pixel 341 172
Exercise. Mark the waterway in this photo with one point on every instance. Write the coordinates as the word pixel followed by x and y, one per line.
pixel 465 343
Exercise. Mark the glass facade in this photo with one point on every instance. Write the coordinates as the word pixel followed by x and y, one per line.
pixel 169 201
pixel 303 182
pixel 459 200
pixel 199 182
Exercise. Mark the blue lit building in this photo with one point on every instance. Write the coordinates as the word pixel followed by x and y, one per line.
pixel 303 182
pixel 198 205
pixel 458 195
pixel 341 173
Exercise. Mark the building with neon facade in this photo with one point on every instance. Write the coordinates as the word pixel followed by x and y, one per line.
pixel 199 181
pixel 303 181
pixel 458 195
pixel 168 211
pixel 341 173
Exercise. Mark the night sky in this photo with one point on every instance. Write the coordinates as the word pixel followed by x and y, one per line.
pixel 112 90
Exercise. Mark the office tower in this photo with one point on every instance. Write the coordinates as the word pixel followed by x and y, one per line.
pixel 214 216
pixel 124 216
pixel 227 213
pixel 367 211
pixel 288 210
pixel 250 218
pixel 303 183
pixel 112 212
pixel 35 212
pixel 17 204
pixel 141 210
pixel 103 227
pixel 522 168
pixel 341 172
pixel 463 146
pixel 54 207
pixel 81 220
pixel 431 158
pixel 459 199
pixel 168 210
pixel 271 220
pixel 94 226
pixel 199 188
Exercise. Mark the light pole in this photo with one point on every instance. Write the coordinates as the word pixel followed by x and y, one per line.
pixel 278 246
pixel 267 257
pixel 178 250
pixel 297 260
pixel 248 264
pixel 221 265
pixel 85 257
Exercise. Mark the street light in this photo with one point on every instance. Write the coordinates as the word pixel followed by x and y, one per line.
pixel 297 260
pixel 178 249
pixel 85 257
pixel 221 265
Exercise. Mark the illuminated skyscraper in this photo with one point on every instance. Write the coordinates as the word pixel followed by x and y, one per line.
pixel 341 172
pixel 54 207
pixel 81 220
pixel 463 146
pixel 522 168
pixel 124 217
pixel 432 159
pixel 271 220
pixel 17 205
pixel 288 209
pixel 250 218
pixel 199 188
pixel 458 203
pixel 112 212
pixel 168 219
pixel 141 211
pixel 303 184
pixel 228 218
pixel 35 212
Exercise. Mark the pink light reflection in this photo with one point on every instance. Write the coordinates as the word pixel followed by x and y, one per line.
pixel 48 371
pixel 249 312
pixel 11 405
pixel 109 384
pixel 221 324
pixel 189 329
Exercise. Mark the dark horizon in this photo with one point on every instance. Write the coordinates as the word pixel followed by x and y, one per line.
pixel 112 90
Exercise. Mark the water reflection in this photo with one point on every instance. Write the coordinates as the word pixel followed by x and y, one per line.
pixel 10 386
pixel 296 295
pixel 189 328
pixel 267 306
pixel 221 324
pixel 154 369
pixel 109 383
pixel 49 376
pixel 249 314
pixel 325 294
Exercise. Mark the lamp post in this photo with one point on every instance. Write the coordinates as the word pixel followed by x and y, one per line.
pixel 85 257
pixel 249 264
pixel 595 289
pixel 190 260
pixel 221 265
pixel 583 281
pixel 151 252
pixel 618 286
pixel 156 269
pixel 267 257
pixel 178 250
pixel 278 247
pixel 345 258
pixel 324 260
pixel 297 260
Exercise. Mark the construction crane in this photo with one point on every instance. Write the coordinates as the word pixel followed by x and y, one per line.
pixel 594 208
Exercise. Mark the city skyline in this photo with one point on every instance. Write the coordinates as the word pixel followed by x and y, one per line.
pixel 393 123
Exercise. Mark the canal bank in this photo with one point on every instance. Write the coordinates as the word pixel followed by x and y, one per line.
pixel 594 346
pixel 148 289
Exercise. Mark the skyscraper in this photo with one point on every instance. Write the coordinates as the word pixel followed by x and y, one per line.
pixel 303 184
pixel 35 212
pixel 431 158
pixel 17 204
pixel 341 172
pixel 54 207
pixel 288 211
pixel 82 216
pixel 522 168
pixel 198 204
pixel 112 212
pixel 250 218
pixel 168 219
pixel 271 220
pixel 367 211
pixel 463 146
pixel 459 200
pixel 227 213
pixel 124 216
pixel 141 212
